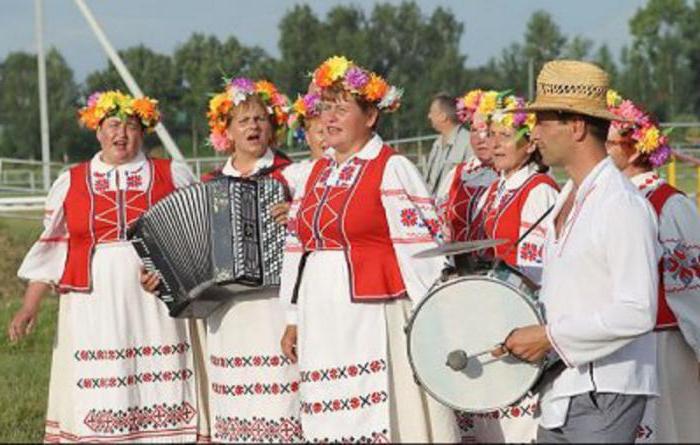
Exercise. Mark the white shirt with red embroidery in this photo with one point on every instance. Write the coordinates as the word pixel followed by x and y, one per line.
pixel 45 260
pixel 679 234
pixel 410 214
pixel 599 290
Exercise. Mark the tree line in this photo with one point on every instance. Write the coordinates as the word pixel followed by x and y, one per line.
pixel 412 48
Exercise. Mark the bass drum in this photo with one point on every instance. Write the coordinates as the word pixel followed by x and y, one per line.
pixel 453 329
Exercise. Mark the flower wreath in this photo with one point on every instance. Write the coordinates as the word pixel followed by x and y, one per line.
pixel 237 91
pixel 648 137
pixel 103 104
pixel 358 81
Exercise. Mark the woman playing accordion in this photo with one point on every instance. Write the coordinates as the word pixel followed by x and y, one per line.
pixel 253 387
pixel 122 369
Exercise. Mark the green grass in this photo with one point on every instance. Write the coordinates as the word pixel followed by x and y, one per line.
pixel 24 367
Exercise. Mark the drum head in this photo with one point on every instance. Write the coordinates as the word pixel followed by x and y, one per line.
pixel 471 314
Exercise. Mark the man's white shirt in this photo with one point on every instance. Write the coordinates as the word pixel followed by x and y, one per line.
pixel 599 291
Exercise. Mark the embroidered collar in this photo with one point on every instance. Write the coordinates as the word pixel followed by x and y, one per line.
pixel 647 181
pixel 264 161
pixel 97 165
pixel 518 178
pixel 368 152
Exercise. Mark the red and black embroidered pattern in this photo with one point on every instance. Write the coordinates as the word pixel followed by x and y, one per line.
pixel 257 430
pixel 644 432
pixel 511 412
pixel 135 379
pixel 375 437
pixel 531 252
pixel 258 361
pixel 347 404
pixel 255 389
pixel 343 372
pixel 128 353
pixel 135 419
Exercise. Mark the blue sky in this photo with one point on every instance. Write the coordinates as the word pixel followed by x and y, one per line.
pixel 490 25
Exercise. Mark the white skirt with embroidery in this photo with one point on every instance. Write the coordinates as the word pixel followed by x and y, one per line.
pixel 253 394
pixel 356 381
pixel 122 368
pixel 515 424
pixel 674 416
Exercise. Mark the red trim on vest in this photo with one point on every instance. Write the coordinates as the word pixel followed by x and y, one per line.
pixel 461 205
pixel 351 217
pixel 665 318
pixel 505 221
pixel 94 217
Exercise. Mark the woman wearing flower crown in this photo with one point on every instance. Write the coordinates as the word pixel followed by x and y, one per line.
pixel 364 212
pixel 637 146
pixel 253 388
pixel 510 207
pixel 459 193
pixel 122 368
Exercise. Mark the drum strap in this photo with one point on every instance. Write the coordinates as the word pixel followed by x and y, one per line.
pixel 549 374
pixel 529 231
pixel 302 265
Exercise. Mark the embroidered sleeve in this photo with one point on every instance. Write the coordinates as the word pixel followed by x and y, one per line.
pixel 45 260
pixel 292 258
pixel 182 175
pixel 442 202
pixel 679 233
pixel 529 251
pixel 627 241
pixel 296 174
pixel 413 224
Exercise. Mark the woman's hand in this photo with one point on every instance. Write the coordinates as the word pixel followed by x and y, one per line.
pixel 24 320
pixel 22 323
pixel 280 212
pixel 149 281
pixel 289 342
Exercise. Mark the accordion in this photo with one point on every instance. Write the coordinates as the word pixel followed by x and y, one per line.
pixel 212 241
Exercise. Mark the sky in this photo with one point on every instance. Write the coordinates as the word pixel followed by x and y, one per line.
pixel 489 25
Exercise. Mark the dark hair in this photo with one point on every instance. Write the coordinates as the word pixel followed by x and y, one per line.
pixel 598 127
pixel 447 105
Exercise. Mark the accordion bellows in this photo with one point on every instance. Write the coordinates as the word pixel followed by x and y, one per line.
pixel 213 241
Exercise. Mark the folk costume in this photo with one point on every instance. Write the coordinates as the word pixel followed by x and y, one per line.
pixel 253 388
pixel 672 417
pixel 599 321
pixel 122 368
pixel 348 283
pixel 461 189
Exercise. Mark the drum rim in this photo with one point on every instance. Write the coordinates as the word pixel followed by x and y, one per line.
pixel 416 311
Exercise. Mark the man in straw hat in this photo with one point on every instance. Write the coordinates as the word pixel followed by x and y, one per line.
pixel 600 271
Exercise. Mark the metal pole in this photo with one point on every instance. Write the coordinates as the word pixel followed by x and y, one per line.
pixel 43 103
pixel 530 79
pixel 163 134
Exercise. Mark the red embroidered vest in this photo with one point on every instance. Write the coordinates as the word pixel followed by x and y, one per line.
pixel 462 203
pixel 95 216
pixel 350 217
pixel 665 319
pixel 506 220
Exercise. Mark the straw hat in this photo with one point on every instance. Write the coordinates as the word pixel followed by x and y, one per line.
pixel 574 87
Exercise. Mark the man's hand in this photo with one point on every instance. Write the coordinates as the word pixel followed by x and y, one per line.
pixel 149 281
pixel 289 342
pixel 529 344
pixel 280 212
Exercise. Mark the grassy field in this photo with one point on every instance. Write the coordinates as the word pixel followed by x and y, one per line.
pixel 24 367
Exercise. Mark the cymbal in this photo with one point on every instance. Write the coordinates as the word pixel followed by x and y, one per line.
pixel 460 247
